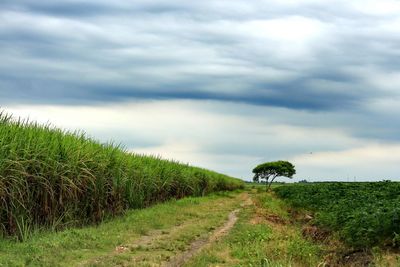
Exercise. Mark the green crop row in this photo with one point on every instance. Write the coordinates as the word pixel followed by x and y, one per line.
pixel 50 178
pixel 364 214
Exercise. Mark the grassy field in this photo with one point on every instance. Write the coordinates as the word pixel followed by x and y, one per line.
pixel 153 236
pixel 52 179
pixel 268 232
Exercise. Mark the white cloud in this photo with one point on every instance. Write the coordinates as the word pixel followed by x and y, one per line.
pixel 377 7
pixel 369 162
pixel 206 134
pixel 293 29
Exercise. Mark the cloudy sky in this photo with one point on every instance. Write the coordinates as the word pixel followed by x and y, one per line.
pixel 218 84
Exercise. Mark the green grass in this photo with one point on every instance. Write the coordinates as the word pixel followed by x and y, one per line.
pixel 95 245
pixel 52 179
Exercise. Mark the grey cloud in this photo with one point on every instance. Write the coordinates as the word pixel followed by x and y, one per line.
pixel 73 52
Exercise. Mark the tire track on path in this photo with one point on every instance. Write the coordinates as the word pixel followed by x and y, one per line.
pixel 198 245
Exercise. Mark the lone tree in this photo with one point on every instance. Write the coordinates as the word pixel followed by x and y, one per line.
pixel 272 170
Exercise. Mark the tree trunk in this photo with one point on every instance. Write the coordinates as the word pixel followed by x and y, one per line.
pixel 270 183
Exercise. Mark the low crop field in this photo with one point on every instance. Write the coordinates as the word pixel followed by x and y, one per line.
pixel 364 215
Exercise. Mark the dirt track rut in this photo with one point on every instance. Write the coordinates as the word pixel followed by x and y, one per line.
pixel 199 244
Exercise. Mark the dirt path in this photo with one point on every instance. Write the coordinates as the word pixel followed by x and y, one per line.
pixel 144 241
pixel 153 236
pixel 162 247
pixel 199 244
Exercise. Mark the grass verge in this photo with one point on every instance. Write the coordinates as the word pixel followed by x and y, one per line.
pixel 263 236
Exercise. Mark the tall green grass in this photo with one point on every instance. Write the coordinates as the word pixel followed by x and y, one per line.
pixel 50 178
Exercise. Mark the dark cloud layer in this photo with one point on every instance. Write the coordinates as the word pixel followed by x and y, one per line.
pixel 233 51
pixel 319 56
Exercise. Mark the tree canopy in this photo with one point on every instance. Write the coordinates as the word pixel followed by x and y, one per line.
pixel 272 170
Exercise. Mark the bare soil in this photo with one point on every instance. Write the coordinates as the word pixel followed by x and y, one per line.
pixel 357 258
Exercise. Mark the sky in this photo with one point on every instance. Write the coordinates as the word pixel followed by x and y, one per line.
pixel 224 85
